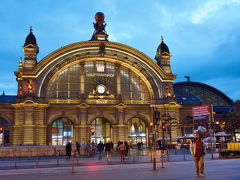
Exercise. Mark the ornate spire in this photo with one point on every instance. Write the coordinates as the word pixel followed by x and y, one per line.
pixel 20 62
pixel 31 30
pixel 163 57
pixel 20 67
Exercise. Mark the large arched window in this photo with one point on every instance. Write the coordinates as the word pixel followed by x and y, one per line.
pixel 102 130
pixel 4 132
pixel 72 81
pixel 137 131
pixel 132 87
pixel 62 131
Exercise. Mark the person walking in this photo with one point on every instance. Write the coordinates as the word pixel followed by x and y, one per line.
pixel 122 149
pixel 100 148
pixel 78 148
pixel 93 148
pixel 108 149
pixel 127 149
pixel 198 150
pixel 68 150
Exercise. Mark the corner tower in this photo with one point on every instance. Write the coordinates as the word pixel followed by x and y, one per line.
pixel 30 50
pixel 163 57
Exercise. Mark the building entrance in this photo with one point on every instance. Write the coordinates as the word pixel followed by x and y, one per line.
pixel 4 132
pixel 62 131
pixel 137 131
pixel 102 130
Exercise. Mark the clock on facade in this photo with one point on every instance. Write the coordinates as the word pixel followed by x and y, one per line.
pixel 100 89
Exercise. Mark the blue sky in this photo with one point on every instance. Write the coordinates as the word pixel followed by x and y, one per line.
pixel 203 36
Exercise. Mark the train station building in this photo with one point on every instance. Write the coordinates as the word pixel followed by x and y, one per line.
pixel 94 90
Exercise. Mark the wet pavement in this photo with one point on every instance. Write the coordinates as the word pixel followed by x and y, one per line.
pixel 215 169
pixel 137 166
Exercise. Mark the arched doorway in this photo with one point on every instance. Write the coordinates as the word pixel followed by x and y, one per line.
pixel 137 131
pixel 102 130
pixel 62 131
pixel 4 132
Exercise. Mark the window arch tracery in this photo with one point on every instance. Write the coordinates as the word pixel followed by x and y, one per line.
pixel 68 83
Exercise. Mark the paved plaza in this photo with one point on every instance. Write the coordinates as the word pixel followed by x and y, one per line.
pixel 93 169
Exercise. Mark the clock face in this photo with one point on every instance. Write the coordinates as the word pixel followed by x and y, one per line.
pixel 101 89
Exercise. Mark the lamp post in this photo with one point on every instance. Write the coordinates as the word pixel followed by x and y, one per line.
pixel 156 121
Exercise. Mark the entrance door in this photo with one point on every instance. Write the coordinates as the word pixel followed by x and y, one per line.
pixel 136 131
pixel 102 130
pixel 4 132
pixel 62 131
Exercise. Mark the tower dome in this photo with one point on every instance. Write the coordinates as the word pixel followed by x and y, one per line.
pixel 162 48
pixel 30 39
pixel 163 57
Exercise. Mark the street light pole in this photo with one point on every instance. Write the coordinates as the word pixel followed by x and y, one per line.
pixel 210 129
pixel 154 148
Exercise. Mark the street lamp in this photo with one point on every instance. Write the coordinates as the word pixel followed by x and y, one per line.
pixel 156 121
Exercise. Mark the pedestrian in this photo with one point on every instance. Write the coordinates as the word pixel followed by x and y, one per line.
pixel 100 148
pixel 93 148
pixel 198 150
pixel 139 145
pixel 108 149
pixel 127 149
pixel 68 150
pixel 78 148
pixel 89 149
pixel 111 145
pixel 122 149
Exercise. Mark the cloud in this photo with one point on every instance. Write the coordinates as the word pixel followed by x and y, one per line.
pixel 210 9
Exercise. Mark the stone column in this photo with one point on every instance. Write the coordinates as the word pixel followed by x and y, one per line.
pixel 120 130
pixel 81 131
pixel 29 124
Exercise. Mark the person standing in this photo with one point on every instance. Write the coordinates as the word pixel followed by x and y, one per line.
pixel 68 150
pixel 108 149
pixel 198 150
pixel 100 148
pixel 89 149
pixel 122 149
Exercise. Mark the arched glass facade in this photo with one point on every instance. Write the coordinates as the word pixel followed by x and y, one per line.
pixel 62 131
pixel 137 131
pixel 207 94
pixel 73 81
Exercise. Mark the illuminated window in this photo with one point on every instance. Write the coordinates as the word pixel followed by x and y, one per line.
pixel 62 132
pixel 136 131
pixel 102 130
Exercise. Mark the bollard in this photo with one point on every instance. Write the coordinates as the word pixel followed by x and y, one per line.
pixel 72 164
pixel 162 158
pixel 15 161
pixel 57 158
pixel 36 161
pixel 151 156
pixel 184 153
pixel 167 155
pixel 77 159
pixel 154 164
pixel 134 156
